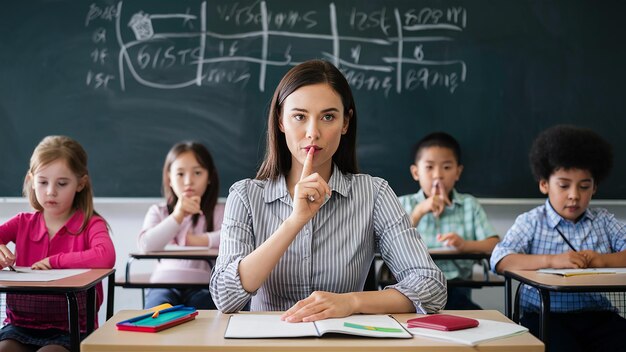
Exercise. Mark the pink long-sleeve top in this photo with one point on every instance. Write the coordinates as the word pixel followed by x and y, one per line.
pixel 91 248
pixel 160 229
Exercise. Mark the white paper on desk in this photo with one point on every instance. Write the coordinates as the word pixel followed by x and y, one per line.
pixel 175 248
pixel 252 326
pixel 28 274
pixel 486 330
pixel 576 272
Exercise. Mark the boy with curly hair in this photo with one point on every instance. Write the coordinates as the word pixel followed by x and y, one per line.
pixel 569 163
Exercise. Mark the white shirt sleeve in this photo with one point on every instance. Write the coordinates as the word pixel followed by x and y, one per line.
pixel 158 230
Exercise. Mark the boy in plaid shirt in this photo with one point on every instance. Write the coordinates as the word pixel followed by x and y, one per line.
pixel 444 217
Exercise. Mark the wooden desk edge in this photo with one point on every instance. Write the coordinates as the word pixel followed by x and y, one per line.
pixel 208 330
pixel 557 283
pixel 78 282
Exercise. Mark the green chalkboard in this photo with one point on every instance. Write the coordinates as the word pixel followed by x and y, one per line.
pixel 129 78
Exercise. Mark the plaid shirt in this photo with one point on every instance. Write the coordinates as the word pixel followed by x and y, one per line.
pixel 535 232
pixel 464 217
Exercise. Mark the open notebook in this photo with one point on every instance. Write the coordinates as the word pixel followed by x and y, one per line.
pixel 253 326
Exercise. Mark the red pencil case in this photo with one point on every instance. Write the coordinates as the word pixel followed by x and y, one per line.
pixel 443 322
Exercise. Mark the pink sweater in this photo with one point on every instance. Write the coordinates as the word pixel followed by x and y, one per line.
pixel 160 229
pixel 92 248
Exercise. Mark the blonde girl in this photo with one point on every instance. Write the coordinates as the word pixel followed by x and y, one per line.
pixel 63 232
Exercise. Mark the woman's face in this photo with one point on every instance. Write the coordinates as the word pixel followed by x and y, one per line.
pixel 313 117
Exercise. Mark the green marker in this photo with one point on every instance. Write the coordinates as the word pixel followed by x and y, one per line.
pixel 371 328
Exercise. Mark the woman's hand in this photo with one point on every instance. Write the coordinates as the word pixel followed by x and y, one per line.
pixel 309 193
pixel 320 305
pixel 43 264
pixel 6 256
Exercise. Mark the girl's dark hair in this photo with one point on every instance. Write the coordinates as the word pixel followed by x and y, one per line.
pixel 277 159
pixel 570 147
pixel 209 198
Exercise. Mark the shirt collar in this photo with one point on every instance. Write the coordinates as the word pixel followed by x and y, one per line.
pixel 277 189
pixel 72 225
pixel 553 218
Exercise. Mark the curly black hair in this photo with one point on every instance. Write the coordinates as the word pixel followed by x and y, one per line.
pixel 570 147
pixel 436 139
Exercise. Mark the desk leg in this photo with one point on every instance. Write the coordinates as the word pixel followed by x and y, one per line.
pixel 544 318
pixel 516 309
pixel 91 309
pixel 507 297
pixel 72 312
pixel 128 262
pixel 110 294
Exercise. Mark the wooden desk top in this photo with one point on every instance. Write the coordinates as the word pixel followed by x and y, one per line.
pixel 206 333
pixel 577 283
pixel 73 283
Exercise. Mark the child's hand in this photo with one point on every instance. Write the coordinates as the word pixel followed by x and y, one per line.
pixel 569 260
pixel 435 204
pixel 594 259
pixel 451 239
pixel 196 240
pixel 43 264
pixel 6 256
pixel 186 206
pixel 438 199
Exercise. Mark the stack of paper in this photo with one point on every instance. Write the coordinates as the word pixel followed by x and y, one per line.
pixel 575 272
pixel 486 330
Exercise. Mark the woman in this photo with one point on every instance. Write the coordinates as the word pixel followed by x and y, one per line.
pixel 302 235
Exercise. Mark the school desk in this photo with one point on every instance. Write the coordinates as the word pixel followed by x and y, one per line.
pixel 445 254
pixel 70 286
pixel 547 283
pixel 142 280
pixel 206 333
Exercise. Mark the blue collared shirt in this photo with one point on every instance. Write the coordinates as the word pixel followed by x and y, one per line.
pixel 535 232
pixel 332 252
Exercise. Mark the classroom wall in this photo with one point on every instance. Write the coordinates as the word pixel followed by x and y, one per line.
pixel 125 216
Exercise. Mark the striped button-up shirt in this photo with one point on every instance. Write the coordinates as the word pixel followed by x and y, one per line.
pixel 332 252
pixel 465 217
pixel 535 232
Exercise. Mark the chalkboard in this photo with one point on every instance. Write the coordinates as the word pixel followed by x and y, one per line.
pixel 129 78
